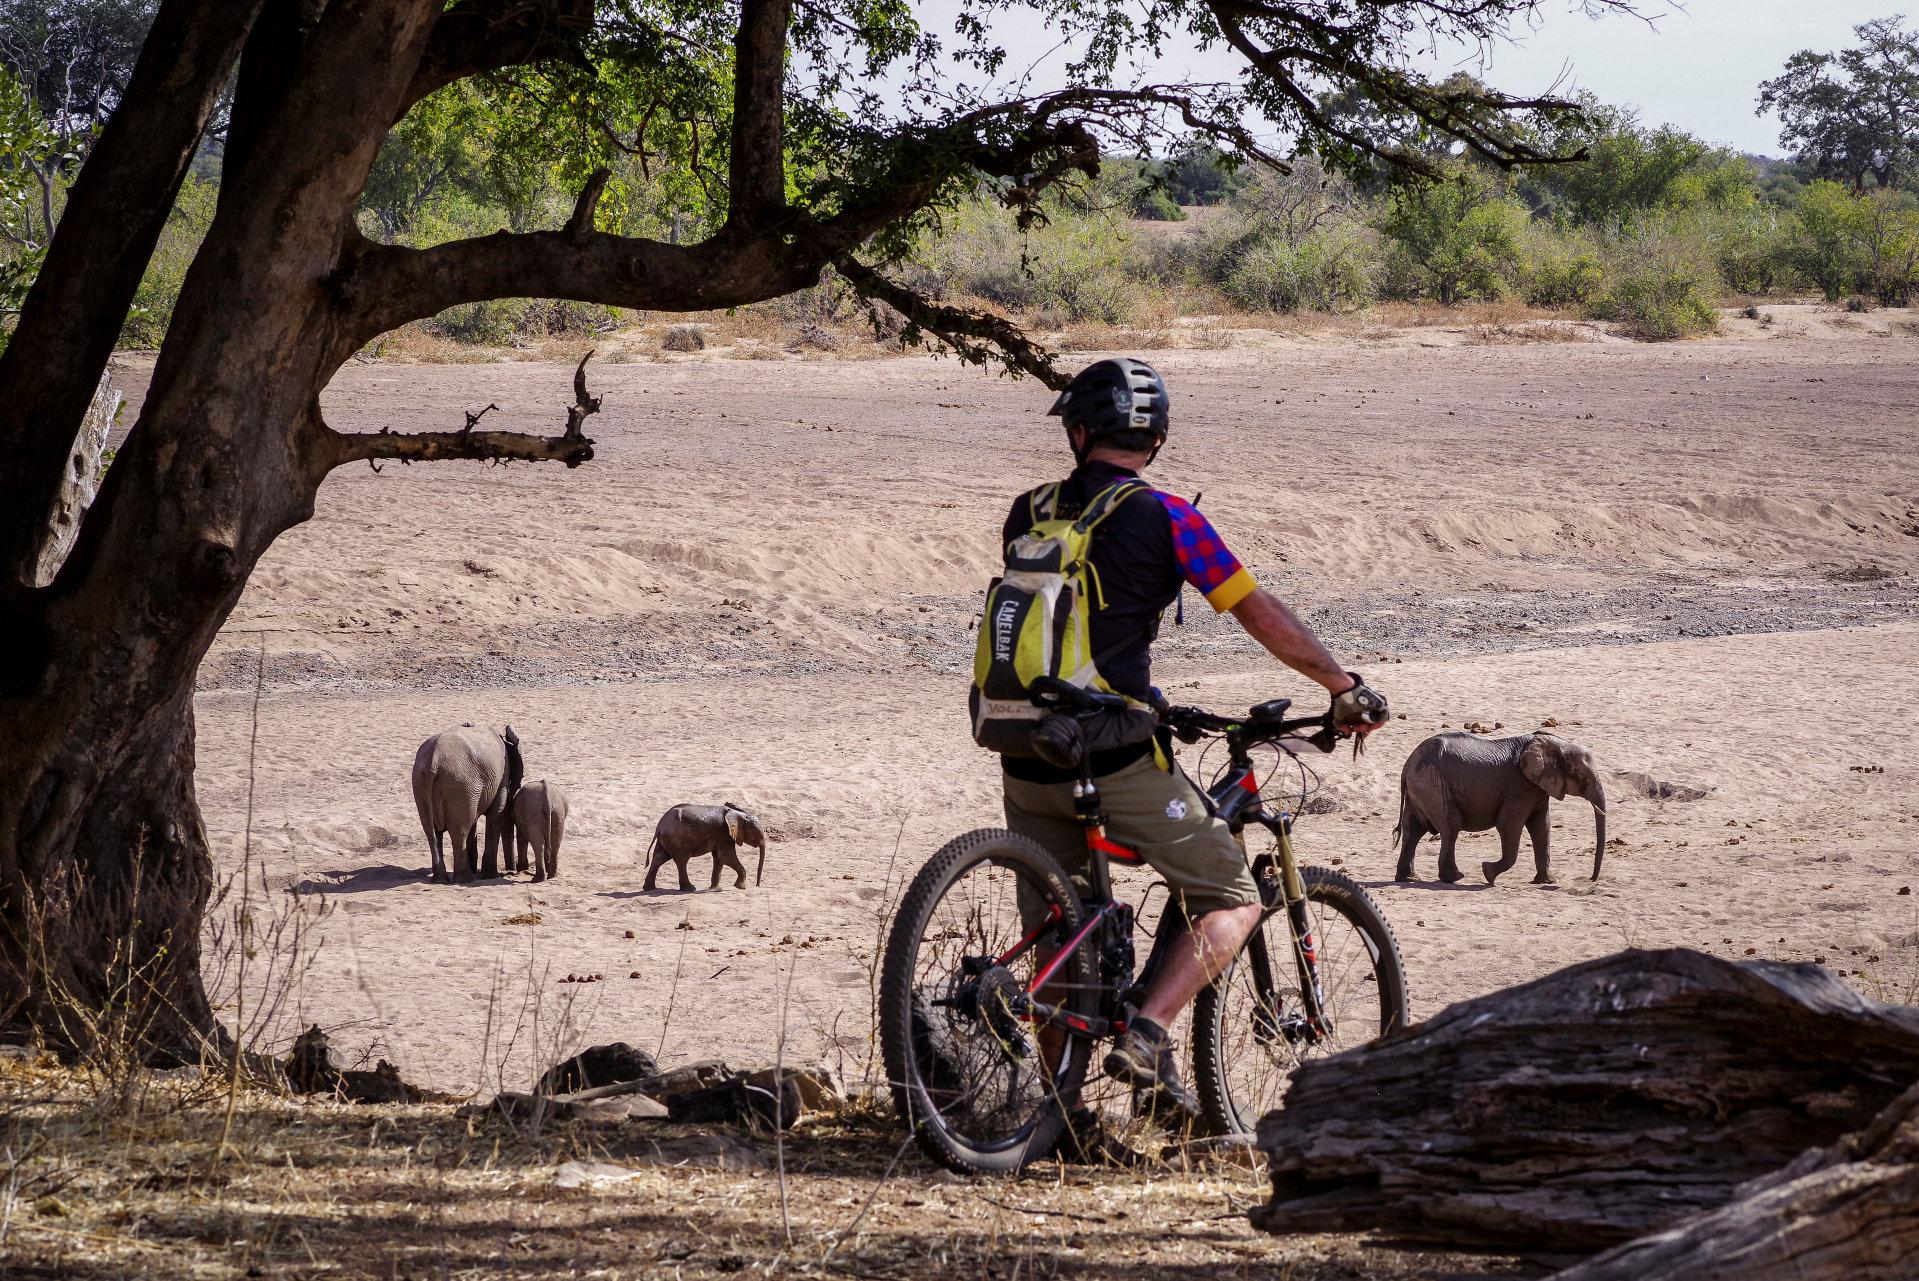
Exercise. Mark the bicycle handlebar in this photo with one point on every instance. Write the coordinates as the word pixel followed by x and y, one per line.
pixel 1264 723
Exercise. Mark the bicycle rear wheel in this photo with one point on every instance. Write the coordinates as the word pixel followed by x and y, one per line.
pixel 980 1089
pixel 1250 1028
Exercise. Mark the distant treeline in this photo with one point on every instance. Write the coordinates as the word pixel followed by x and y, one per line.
pixel 1654 228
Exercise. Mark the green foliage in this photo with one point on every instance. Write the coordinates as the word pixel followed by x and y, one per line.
pixel 1457 239
pixel 1328 270
pixel 30 153
pixel 1661 284
pixel 1074 267
pixel 1846 243
pixel 1854 114
pixel 1633 171
pixel 153 301
pixel 1202 175
pixel 1753 250
pixel 1563 268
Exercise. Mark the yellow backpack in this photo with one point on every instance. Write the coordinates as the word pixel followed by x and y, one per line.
pixel 1036 620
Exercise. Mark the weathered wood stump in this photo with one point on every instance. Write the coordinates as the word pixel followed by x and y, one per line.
pixel 1849 1212
pixel 1587 1108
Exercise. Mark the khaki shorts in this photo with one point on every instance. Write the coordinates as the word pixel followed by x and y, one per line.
pixel 1159 814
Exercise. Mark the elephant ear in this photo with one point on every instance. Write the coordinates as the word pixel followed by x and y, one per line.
pixel 1545 764
pixel 733 824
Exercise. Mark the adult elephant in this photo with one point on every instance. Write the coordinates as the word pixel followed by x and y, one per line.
pixel 458 776
pixel 688 831
pixel 1457 782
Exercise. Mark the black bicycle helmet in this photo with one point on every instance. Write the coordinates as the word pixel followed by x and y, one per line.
pixel 1112 396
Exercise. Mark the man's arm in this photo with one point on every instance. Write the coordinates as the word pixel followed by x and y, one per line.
pixel 1268 621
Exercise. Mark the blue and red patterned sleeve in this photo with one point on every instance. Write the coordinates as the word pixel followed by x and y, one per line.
pixel 1204 560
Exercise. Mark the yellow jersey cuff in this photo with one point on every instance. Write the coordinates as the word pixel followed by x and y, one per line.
pixel 1231 592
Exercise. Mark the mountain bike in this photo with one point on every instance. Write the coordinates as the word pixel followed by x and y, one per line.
pixel 1000 977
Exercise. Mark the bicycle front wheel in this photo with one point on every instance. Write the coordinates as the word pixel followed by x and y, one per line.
pixel 984 1090
pixel 1251 1026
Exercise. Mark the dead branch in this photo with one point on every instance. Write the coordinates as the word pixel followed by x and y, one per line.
pixel 571 446
pixel 583 404
pixel 1586 1108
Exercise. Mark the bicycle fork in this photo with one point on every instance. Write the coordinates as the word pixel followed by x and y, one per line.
pixel 1290 889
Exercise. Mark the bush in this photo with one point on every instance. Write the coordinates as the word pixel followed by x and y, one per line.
pixel 1075 268
pixel 1461 234
pixel 1327 271
pixel 1661 285
pixel 1563 269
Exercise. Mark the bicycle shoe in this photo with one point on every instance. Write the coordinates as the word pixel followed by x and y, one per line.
pixel 1142 1057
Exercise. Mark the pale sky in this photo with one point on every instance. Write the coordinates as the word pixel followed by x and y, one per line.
pixel 1697 64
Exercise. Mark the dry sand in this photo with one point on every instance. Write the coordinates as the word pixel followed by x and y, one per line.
pixel 1700 559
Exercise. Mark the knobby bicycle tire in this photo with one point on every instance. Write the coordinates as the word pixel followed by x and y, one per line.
pixel 904 1016
pixel 1326 889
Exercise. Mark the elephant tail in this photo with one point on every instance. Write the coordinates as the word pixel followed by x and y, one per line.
pixel 428 805
pixel 1399 824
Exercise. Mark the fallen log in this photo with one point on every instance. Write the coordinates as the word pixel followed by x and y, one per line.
pixel 1585 1109
pixel 1849 1212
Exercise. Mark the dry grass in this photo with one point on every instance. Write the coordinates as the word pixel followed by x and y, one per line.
pixel 325 1189
pixel 1537 331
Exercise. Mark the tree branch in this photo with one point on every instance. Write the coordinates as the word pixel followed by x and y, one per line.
pixel 581 223
pixel 477 36
pixel 976 337
pixel 571 446
pixel 388 285
pixel 757 163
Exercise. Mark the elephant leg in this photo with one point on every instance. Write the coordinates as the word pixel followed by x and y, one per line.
pixel 686 882
pixel 1509 828
pixel 519 843
pixel 1448 865
pixel 469 853
pixel 552 860
pixel 1539 827
pixel 439 874
pixel 490 867
pixel 653 870
pixel 538 861
pixel 1409 838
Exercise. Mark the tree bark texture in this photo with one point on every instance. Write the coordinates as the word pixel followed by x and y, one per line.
pixel 1584 1109
pixel 70 318
pixel 1849 1212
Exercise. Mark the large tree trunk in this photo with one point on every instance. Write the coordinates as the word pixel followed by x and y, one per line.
pixel 114 213
pixel 1847 1213
pixel 104 867
pixel 1586 1108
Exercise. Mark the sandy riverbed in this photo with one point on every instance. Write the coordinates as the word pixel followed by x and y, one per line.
pixel 1700 559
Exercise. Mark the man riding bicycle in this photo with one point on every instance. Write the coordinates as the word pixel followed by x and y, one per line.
pixel 1141 552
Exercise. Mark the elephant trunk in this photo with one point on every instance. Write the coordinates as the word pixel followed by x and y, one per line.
pixel 1597 795
pixel 760 869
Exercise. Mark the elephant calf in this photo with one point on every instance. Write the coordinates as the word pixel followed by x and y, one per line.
pixel 1459 782
pixel 688 831
pixel 539 820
